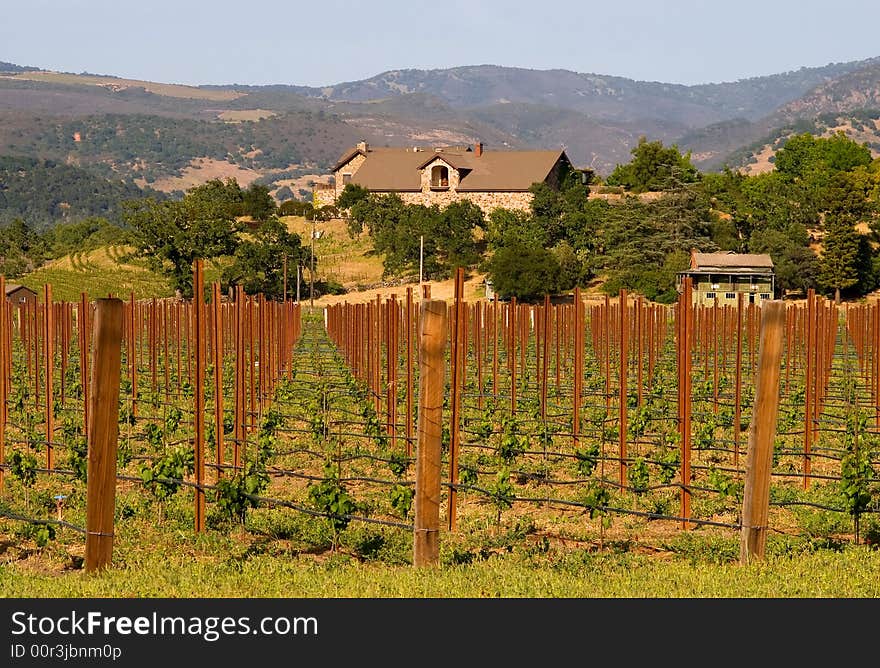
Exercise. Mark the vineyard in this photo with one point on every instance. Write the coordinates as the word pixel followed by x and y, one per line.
pixel 585 424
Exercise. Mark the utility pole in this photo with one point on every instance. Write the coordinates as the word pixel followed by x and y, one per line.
pixel 312 271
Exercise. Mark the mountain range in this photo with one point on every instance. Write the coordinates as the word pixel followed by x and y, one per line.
pixel 170 136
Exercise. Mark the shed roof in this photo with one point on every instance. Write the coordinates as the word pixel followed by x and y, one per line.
pixel 727 261
pixel 13 287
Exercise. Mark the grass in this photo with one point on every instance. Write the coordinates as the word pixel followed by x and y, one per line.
pixel 181 564
pixel 103 271
pixel 341 258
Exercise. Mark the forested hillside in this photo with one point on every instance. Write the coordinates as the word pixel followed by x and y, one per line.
pixel 44 192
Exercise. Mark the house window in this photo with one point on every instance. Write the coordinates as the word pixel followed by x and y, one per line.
pixel 765 295
pixel 439 176
pixel 710 295
pixel 346 179
pixel 730 295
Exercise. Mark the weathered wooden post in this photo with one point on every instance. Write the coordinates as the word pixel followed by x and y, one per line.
pixel 103 433
pixel 432 343
pixel 762 431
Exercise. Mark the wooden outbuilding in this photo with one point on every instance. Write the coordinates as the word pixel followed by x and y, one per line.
pixel 719 278
pixel 20 294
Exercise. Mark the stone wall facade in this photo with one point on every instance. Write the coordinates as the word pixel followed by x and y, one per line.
pixel 487 201
pixel 349 168
pixel 323 194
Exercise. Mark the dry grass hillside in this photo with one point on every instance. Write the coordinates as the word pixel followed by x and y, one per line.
pixel 116 84
pixel 200 171
pixel 352 263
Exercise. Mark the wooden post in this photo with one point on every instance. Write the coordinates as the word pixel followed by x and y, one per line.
pixel 808 382
pixel 737 401
pixel 762 431
pixel 545 354
pixel 685 345
pixel 459 341
pixel 432 343
pixel 217 307
pixel 623 341
pixel 199 332
pixel 82 323
pixel 239 377
pixel 578 365
pixel 103 433
pixel 49 360
pixel 409 374
pixel 3 388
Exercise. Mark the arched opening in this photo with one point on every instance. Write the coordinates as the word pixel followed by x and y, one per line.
pixel 439 176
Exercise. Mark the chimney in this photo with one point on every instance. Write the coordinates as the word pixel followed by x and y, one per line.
pixel 478 149
pixel 362 146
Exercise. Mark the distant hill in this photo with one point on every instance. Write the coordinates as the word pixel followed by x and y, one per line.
pixel 12 67
pixel 600 96
pixel 850 102
pixel 169 135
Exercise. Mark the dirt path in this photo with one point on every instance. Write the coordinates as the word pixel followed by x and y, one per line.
pixel 473 290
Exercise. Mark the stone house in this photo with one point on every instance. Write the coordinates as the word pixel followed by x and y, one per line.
pixel 719 278
pixel 445 174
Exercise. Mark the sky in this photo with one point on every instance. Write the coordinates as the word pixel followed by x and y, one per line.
pixel 324 42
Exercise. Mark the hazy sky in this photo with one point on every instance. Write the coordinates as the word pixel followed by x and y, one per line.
pixel 329 41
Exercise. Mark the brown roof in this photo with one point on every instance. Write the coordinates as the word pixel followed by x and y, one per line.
pixel 731 261
pixel 12 287
pixel 399 169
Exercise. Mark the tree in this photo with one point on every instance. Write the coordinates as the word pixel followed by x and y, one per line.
pixel 795 264
pixel 284 193
pixel 258 263
pixel 841 248
pixel 454 230
pixel 806 156
pixel 653 167
pixel 351 194
pixel 847 261
pixel 293 207
pixel 21 249
pixel 82 235
pixel 641 244
pixel 258 203
pixel 524 271
pixel 507 226
pixel 171 235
